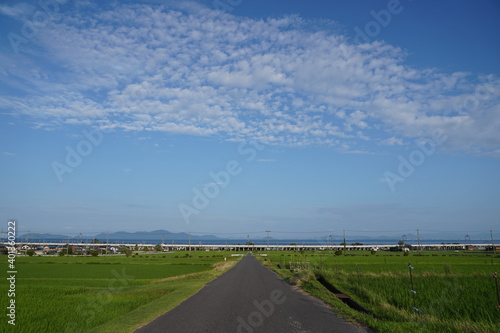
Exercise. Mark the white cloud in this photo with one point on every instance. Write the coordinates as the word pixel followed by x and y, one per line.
pixel 193 70
pixel 17 10
pixel 392 141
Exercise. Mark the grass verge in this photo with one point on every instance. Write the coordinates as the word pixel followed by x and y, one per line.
pixel 179 289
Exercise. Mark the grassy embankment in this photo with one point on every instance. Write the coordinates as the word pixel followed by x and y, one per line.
pixel 106 293
pixel 455 291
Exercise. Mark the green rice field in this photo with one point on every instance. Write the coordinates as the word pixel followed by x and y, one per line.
pixel 455 292
pixel 105 293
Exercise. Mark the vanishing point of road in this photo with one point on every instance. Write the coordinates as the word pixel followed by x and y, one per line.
pixel 249 298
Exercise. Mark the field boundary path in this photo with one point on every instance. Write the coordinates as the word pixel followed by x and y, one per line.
pixel 250 298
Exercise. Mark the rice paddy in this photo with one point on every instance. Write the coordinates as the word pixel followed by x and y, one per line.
pixel 453 292
pixel 106 293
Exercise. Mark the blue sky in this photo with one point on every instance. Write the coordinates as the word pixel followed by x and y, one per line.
pixel 372 116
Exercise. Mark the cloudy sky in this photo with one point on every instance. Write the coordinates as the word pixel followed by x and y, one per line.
pixel 244 116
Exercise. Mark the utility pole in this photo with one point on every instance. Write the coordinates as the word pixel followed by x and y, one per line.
pixel 493 243
pixel 162 238
pixel 467 241
pixel 344 243
pixel 418 237
pixel 268 231
pixel 189 242
pixel 107 242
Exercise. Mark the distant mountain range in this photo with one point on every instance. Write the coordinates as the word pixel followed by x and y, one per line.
pixel 38 236
pixel 156 235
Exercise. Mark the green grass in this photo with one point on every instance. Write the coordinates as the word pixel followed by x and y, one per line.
pixel 456 292
pixel 119 294
pixel 92 271
pixel 104 294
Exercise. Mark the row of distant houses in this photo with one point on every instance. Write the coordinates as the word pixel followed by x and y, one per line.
pixel 482 248
pixel 55 249
pixel 85 249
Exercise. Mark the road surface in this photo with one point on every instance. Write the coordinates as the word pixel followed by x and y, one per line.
pixel 249 298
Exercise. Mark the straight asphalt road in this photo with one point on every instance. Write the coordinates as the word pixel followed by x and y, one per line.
pixel 249 298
